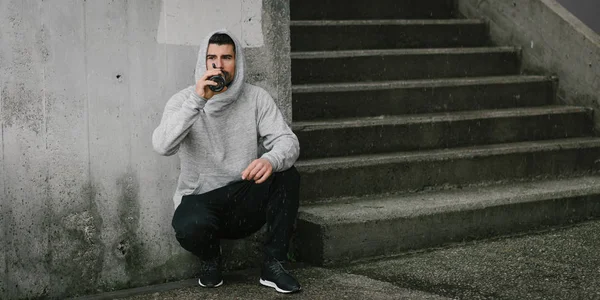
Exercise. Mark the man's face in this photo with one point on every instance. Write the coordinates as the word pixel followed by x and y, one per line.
pixel 223 57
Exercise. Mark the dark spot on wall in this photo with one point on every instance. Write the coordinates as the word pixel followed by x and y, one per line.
pixel 122 248
pixel 129 247
pixel 118 76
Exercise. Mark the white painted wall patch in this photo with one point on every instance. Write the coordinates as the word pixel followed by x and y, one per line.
pixel 187 22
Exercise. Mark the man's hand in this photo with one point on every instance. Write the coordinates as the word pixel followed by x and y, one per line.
pixel 202 86
pixel 259 170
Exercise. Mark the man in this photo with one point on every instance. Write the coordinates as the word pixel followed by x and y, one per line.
pixel 227 188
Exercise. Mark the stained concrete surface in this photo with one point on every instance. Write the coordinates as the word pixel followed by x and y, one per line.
pixel 558 263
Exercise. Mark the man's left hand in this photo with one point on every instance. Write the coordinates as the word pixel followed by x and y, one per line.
pixel 259 170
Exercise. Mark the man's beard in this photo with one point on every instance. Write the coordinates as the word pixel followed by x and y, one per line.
pixel 227 76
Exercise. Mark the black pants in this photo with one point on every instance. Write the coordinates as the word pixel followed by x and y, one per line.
pixel 238 210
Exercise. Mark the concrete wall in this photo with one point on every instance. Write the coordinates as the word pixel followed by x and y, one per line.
pixel 553 42
pixel 85 202
pixel 588 11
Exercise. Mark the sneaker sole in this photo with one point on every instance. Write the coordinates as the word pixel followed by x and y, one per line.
pixel 273 285
pixel 210 286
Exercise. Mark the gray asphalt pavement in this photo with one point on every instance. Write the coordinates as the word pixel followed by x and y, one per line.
pixel 558 263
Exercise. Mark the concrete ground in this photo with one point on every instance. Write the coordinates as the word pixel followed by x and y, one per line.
pixel 559 263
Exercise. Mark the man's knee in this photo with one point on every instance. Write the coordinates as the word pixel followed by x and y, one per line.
pixel 290 176
pixel 197 226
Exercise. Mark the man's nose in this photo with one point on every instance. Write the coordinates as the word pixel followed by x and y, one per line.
pixel 218 64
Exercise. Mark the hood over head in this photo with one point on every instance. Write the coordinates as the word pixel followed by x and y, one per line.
pixel 221 101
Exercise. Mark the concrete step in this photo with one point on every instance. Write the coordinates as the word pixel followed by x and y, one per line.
pixel 327 178
pixel 386 34
pixel 383 9
pixel 343 232
pixel 366 99
pixel 372 135
pixel 401 64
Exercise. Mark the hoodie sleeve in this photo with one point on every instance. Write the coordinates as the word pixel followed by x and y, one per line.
pixel 279 140
pixel 181 112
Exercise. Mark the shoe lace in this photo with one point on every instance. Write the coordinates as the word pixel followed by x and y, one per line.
pixel 277 268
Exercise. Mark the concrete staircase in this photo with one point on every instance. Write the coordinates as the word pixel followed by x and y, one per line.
pixel 416 131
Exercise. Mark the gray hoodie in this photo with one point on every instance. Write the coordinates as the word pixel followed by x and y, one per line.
pixel 218 138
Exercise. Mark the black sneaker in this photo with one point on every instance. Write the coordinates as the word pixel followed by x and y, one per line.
pixel 210 273
pixel 274 275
